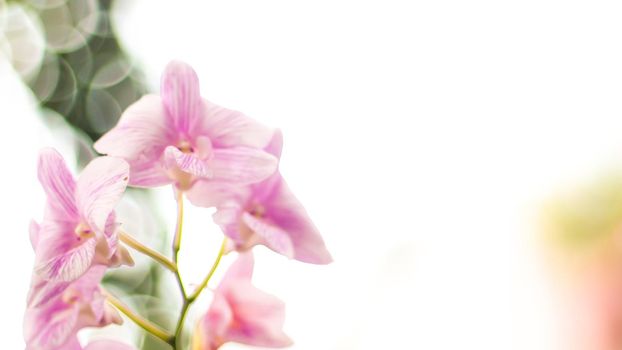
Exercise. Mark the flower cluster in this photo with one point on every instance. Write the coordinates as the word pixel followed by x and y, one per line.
pixel 215 158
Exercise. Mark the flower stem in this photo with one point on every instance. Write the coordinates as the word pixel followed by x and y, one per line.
pixel 177 241
pixel 197 292
pixel 139 320
pixel 179 225
pixel 209 275
pixel 131 242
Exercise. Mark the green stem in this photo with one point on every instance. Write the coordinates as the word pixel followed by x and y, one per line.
pixel 136 245
pixel 197 292
pixel 180 324
pixel 179 225
pixel 176 340
pixel 177 241
pixel 209 275
pixel 139 320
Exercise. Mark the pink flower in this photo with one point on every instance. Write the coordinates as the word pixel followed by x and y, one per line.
pixel 78 229
pixel 108 345
pixel 180 138
pixel 74 344
pixel 241 313
pixel 56 311
pixel 265 213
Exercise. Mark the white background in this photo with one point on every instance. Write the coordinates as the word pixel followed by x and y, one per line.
pixel 422 137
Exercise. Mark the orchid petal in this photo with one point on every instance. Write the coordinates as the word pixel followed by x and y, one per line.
pixel 147 173
pixel 242 165
pixel 272 236
pixel 275 147
pixel 58 310
pixel 111 315
pixel 229 128
pixel 186 162
pixel 242 313
pixel 218 318
pixel 34 233
pixel 100 188
pixel 87 286
pixel 228 217
pixel 121 257
pixel 141 131
pixel 260 315
pixel 263 190
pixel 181 97
pixel 287 212
pixel 58 183
pixel 72 344
pixel 49 327
pixel 208 193
pixel 60 255
pixel 241 269
pixel 89 282
pixel 108 345
pixel 110 238
pixel 42 291
pixel 204 147
pixel 98 309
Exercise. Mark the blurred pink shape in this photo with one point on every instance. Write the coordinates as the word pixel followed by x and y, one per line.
pixel 107 345
pixel 241 313
pixel 56 311
pixel 594 307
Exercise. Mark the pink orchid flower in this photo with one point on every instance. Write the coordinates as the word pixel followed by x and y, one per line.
pixel 79 229
pixel 241 313
pixel 107 345
pixel 56 311
pixel 181 138
pixel 74 344
pixel 266 213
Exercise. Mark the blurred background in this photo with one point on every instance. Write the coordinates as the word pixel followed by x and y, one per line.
pixel 462 159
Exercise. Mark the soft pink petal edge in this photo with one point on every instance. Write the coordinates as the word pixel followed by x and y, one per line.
pixel 272 236
pixel 181 97
pixel 230 128
pixel 242 165
pixel 100 187
pixel 108 345
pixel 290 215
pixel 58 183
pixel 141 132
pixel 54 263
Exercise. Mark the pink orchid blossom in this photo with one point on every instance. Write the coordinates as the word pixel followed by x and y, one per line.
pixel 107 345
pixel 79 229
pixel 266 213
pixel 56 311
pixel 180 138
pixel 241 313
pixel 74 344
